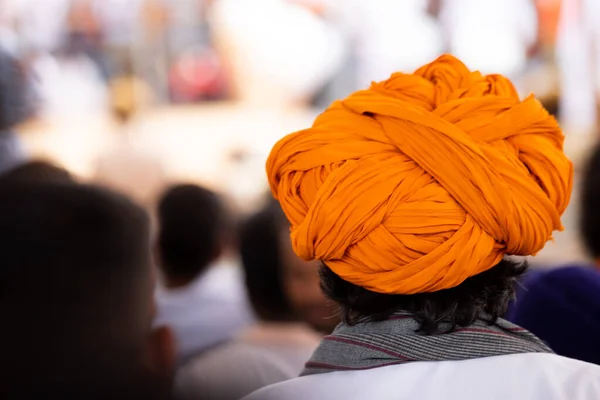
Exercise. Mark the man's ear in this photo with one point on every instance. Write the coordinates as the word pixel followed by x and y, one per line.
pixel 161 352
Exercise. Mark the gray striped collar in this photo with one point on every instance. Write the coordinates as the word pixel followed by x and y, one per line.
pixel 369 345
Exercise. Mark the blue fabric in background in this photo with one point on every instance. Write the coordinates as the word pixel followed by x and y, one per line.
pixel 562 307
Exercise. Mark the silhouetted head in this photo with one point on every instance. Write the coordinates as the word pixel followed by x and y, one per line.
pixel 194 228
pixel 38 171
pixel 76 296
pixel 281 286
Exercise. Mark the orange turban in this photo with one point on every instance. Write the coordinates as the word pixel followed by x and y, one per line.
pixel 423 180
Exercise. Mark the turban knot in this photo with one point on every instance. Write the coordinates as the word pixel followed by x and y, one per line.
pixel 423 180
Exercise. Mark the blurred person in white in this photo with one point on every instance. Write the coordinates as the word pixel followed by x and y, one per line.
pixel 66 82
pixel 85 34
pixel 376 28
pixel 279 52
pixel 201 294
pixel 33 27
pixel 277 55
pixel 152 50
pixel 492 36
pixel 578 60
pixel 285 294
pixel 121 22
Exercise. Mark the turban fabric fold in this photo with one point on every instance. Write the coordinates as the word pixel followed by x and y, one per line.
pixel 423 180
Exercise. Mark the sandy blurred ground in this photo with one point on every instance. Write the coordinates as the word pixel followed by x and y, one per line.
pixel 195 144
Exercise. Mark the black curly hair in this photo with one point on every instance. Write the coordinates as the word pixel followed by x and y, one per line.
pixel 488 292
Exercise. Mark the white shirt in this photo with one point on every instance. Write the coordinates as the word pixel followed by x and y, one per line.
pixel 120 20
pixel 41 24
pixel 207 312
pixel 284 67
pixel 491 35
pixel 262 355
pixel 390 36
pixel 578 60
pixel 531 376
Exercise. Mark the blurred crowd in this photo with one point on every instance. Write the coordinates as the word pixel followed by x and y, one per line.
pixel 144 63
pixel 133 279
pixel 195 50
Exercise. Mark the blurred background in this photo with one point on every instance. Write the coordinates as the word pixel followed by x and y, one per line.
pixel 139 94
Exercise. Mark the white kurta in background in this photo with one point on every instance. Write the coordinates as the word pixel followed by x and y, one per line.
pixel 259 356
pixel 388 36
pixel 578 59
pixel 209 311
pixel 492 36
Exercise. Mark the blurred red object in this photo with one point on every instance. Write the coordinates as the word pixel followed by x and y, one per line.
pixel 548 16
pixel 197 74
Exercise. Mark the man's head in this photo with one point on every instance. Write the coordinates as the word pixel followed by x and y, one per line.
pixel 281 286
pixel 39 172
pixel 76 285
pixel 194 226
pixel 589 217
pixel 423 181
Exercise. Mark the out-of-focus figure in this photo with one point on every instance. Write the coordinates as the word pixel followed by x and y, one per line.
pixel 16 106
pixel 38 171
pixel 127 166
pixel 31 28
pixel 555 304
pixel 151 53
pixel 70 69
pixel 71 73
pixel 76 284
pixel 284 291
pixel 85 34
pixel 493 36
pixel 201 293
pixel 121 24
pixel 578 60
pixel 278 53
pixel 541 75
pixel 388 35
pixel 548 12
pixel 265 241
